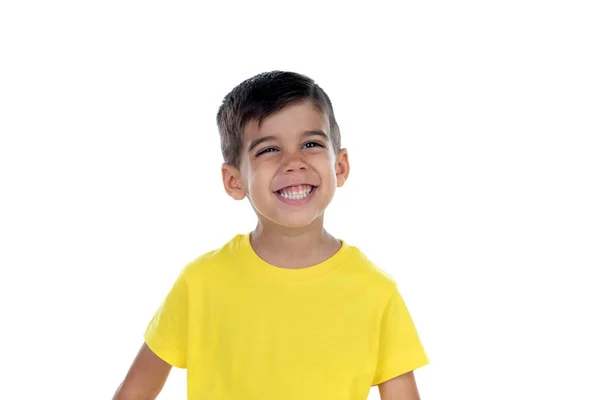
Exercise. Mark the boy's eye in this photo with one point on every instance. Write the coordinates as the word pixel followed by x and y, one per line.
pixel 313 144
pixel 266 150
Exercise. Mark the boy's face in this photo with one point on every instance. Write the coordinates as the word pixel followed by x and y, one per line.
pixel 288 168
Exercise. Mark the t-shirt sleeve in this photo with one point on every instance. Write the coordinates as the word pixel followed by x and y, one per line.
pixel 166 334
pixel 400 349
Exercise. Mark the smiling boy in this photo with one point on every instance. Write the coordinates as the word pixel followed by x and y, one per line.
pixel 287 311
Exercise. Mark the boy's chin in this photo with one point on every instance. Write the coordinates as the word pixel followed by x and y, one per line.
pixel 292 225
pixel 293 222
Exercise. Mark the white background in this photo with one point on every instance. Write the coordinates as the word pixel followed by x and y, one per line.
pixel 473 132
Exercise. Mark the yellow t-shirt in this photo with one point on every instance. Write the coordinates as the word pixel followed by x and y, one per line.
pixel 247 330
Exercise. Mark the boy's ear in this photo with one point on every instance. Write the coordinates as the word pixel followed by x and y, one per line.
pixel 342 167
pixel 232 182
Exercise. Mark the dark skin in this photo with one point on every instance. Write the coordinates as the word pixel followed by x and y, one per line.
pixel 145 378
pixel 292 145
pixel 403 387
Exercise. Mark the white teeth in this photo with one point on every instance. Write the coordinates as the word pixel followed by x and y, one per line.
pixel 295 195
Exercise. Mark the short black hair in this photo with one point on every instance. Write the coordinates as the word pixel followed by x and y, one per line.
pixel 262 95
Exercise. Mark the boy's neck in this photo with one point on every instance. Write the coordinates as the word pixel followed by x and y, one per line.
pixel 293 248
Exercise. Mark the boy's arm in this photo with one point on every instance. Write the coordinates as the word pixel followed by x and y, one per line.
pixel 146 377
pixel 403 387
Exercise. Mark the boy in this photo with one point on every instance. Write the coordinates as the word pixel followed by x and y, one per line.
pixel 288 311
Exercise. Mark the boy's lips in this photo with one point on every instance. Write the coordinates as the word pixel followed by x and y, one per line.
pixel 296 186
pixel 296 195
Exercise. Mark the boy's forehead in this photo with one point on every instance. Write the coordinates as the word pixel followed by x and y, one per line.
pixel 292 120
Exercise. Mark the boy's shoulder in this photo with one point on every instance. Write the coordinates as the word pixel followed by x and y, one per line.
pixel 374 271
pixel 213 258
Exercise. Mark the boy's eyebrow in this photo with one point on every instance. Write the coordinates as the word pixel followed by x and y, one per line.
pixel 316 133
pixel 263 139
pixel 258 141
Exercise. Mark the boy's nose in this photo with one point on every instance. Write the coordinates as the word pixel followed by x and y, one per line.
pixel 294 162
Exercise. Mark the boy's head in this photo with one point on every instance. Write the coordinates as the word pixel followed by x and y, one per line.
pixel 282 148
pixel 262 96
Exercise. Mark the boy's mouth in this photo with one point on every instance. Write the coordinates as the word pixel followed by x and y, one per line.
pixel 296 192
